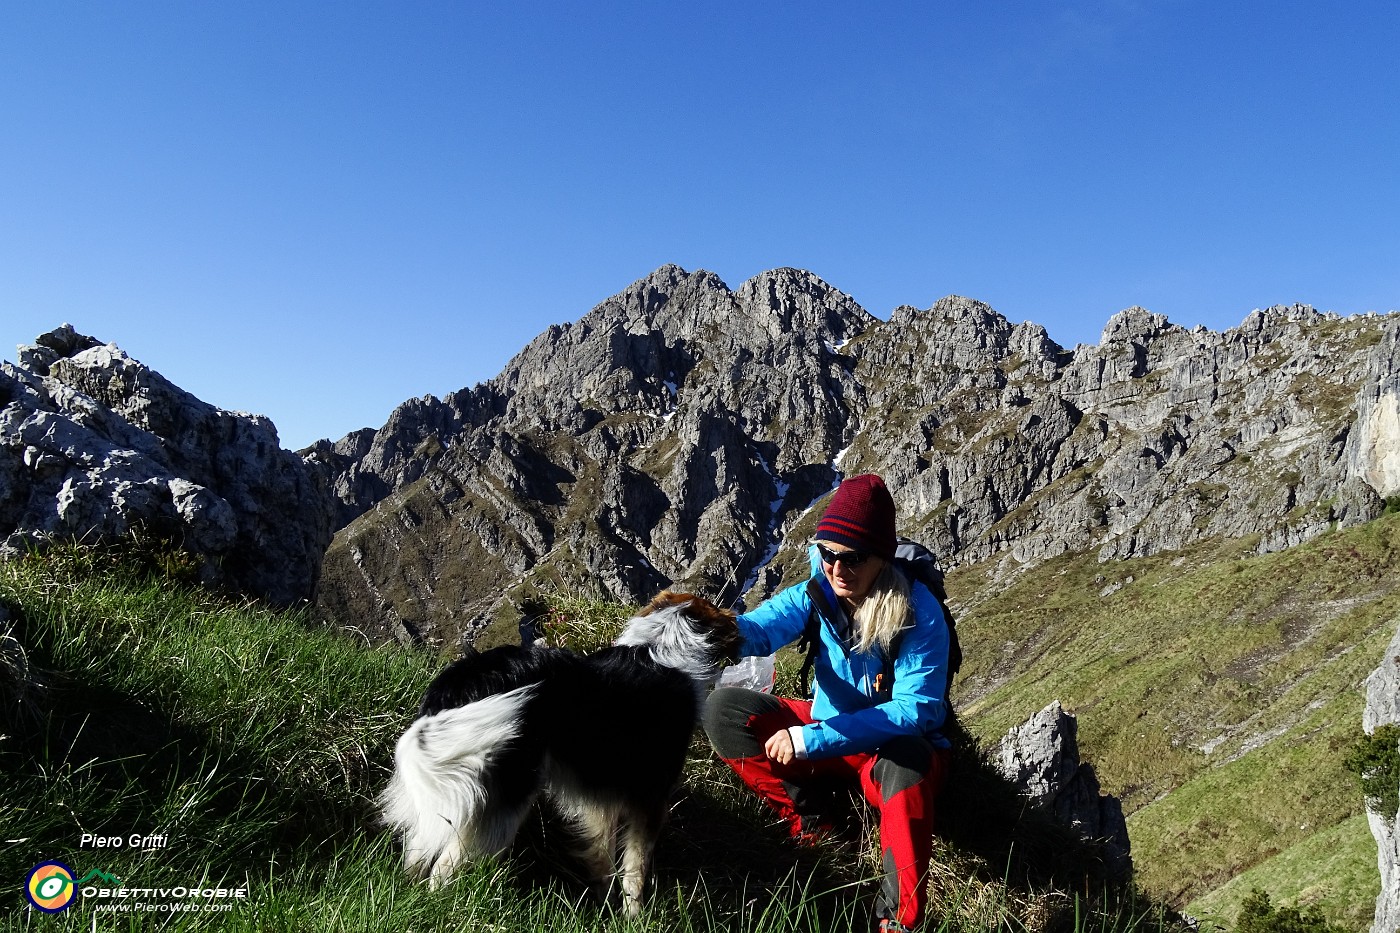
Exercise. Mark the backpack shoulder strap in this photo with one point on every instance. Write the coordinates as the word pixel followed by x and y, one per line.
pixel 811 635
pixel 922 565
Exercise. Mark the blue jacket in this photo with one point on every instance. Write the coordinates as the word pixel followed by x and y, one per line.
pixel 851 717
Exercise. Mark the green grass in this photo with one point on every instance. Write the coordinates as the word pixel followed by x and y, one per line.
pixel 1218 693
pixel 1321 872
pixel 255 742
pixel 233 731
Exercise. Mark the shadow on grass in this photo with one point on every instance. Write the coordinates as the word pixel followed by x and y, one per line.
pixel 991 834
pixel 105 763
pixel 102 761
pixel 719 854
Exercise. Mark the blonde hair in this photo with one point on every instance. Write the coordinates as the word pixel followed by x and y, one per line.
pixel 885 610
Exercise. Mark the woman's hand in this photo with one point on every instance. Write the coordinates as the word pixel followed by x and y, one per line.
pixel 779 747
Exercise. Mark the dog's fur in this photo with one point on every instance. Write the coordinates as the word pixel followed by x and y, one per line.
pixel 604 736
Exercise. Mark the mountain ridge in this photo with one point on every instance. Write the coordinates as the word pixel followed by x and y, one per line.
pixel 679 431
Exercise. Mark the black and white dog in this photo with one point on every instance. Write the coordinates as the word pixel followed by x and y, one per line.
pixel 604 736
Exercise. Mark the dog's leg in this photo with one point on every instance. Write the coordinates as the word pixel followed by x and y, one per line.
pixel 597 829
pixel 448 858
pixel 643 827
pixel 493 833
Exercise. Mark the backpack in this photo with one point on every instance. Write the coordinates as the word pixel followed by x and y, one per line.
pixel 921 565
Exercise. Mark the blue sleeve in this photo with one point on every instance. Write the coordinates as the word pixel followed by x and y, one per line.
pixel 777 622
pixel 917 704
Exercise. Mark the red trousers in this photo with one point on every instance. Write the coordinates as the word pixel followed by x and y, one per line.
pixel 901 779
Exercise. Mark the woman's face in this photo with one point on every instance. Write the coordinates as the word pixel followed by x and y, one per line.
pixel 850 579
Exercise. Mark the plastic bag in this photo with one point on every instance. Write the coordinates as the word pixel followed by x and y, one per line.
pixel 755 673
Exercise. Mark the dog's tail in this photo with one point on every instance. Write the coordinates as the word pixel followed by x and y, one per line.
pixel 438 798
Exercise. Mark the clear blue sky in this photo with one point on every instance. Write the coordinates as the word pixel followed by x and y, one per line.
pixel 316 211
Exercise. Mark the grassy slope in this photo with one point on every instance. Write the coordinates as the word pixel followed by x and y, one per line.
pixel 1217 693
pixel 1326 868
pixel 164 710
pixel 255 744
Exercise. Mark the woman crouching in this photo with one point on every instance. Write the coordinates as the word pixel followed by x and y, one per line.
pixel 880 665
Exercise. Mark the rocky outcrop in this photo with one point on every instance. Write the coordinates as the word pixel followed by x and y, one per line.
pixel 1154 439
pixel 681 433
pixel 1382 707
pixel 667 435
pixel 1041 757
pixel 95 445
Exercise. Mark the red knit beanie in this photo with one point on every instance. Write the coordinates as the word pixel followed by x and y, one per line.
pixel 861 516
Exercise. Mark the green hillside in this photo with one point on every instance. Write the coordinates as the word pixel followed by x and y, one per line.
pixel 1217 694
pixel 246 747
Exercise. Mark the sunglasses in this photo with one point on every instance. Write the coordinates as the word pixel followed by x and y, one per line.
pixel 851 559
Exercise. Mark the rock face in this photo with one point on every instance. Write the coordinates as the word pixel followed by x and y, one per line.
pixel 668 435
pixel 93 445
pixel 682 433
pixel 1041 756
pixel 1383 706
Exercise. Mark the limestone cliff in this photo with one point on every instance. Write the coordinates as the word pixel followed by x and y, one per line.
pixel 1382 707
pixel 94 445
pixel 682 432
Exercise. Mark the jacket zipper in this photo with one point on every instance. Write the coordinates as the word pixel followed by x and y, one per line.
pixel 867 686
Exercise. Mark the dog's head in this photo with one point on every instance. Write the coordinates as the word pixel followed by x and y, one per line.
pixel 686 632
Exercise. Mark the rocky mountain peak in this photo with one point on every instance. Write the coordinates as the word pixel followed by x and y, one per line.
pixel 1138 325
pixel 794 301
pixel 57 344
pixel 682 432
pixel 96 445
pixel 956 332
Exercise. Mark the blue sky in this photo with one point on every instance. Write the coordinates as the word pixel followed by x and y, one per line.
pixel 316 211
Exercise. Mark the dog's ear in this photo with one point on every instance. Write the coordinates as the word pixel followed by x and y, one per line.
pixel 720 623
pixel 701 609
pixel 665 600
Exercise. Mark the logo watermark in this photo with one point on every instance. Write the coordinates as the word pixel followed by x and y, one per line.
pixel 53 887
